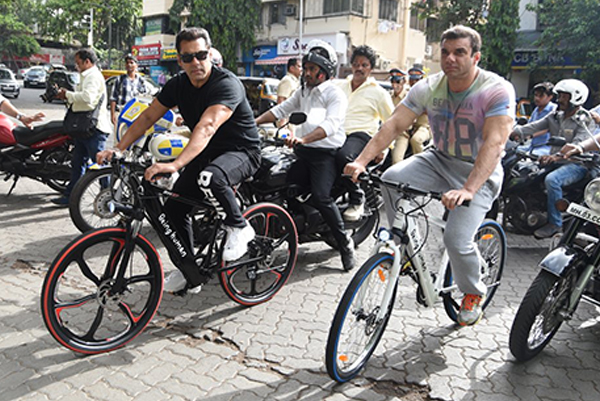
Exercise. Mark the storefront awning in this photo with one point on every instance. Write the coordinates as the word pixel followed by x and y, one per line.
pixel 276 60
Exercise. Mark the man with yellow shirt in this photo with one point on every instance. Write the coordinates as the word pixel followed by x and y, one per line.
pixel 368 106
pixel 419 133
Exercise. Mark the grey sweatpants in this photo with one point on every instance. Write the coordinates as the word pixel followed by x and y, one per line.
pixel 436 171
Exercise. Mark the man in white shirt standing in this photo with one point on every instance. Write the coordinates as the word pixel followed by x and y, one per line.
pixel 90 90
pixel 317 141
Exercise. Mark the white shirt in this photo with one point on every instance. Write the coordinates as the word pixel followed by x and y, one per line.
pixel 325 106
pixel 89 90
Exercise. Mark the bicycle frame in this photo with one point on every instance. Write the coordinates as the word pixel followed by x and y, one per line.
pixel 147 203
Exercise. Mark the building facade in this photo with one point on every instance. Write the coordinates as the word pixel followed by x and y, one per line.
pixel 385 25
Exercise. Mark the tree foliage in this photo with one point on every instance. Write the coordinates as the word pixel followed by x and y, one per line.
pixel 499 36
pixel 230 23
pixel 571 29
pixel 15 32
pixel 497 25
pixel 67 21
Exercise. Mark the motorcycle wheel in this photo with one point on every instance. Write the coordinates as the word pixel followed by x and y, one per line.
pixel 89 200
pixel 538 318
pixel 57 164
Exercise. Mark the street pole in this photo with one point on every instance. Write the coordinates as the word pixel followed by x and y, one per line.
pixel 91 31
pixel 301 18
pixel 109 37
pixel 405 33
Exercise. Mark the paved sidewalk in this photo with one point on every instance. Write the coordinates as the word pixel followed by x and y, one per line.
pixel 205 347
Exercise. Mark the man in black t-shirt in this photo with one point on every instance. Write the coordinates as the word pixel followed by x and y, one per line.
pixel 223 149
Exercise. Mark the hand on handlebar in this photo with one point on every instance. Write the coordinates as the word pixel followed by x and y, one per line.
pixel 292 141
pixel 456 197
pixel 571 149
pixel 104 156
pixel 159 168
pixel 354 169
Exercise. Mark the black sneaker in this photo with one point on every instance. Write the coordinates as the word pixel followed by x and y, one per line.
pixel 348 256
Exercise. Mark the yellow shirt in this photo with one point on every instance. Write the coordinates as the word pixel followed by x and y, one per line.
pixel 287 86
pixel 397 99
pixel 368 105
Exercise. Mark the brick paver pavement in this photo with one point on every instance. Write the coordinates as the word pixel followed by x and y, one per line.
pixel 206 347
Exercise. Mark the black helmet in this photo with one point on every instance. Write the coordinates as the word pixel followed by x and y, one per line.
pixel 546 87
pixel 327 63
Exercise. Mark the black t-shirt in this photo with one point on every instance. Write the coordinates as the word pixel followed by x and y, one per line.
pixel 239 133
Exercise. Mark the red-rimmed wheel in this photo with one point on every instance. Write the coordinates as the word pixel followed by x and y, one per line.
pixel 83 304
pixel 270 260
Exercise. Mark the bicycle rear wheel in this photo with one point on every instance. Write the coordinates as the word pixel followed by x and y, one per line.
pixel 274 251
pixel 81 307
pixel 491 243
pixel 356 329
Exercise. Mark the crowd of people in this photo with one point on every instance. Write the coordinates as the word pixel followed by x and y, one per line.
pixel 456 123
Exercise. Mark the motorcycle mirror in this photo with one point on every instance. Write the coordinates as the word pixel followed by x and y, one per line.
pixel 297 118
pixel 522 121
pixel 557 141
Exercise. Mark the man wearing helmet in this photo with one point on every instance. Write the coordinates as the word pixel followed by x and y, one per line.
pixel 317 141
pixel 419 133
pixel 471 112
pixel 573 123
pixel 542 98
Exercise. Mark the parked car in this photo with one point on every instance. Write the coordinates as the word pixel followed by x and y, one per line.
pixel 8 83
pixel 22 71
pixel 261 93
pixel 36 76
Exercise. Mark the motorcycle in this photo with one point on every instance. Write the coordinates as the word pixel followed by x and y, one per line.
pixel 43 153
pixel 569 273
pixel 522 199
pixel 269 184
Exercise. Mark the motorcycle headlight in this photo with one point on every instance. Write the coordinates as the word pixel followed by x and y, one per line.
pixel 592 195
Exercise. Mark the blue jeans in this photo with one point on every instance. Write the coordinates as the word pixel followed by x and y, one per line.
pixel 84 149
pixel 555 181
pixel 539 150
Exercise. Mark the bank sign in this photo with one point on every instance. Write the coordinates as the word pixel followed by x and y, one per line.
pixel 523 59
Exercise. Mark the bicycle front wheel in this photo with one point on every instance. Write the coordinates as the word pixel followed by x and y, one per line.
pixel 490 240
pixel 357 326
pixel 82 305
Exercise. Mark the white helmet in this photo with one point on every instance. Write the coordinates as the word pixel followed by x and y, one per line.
pixel 328 64
pixel 578 90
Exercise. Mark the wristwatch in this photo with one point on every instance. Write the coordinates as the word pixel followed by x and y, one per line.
pixel 19 116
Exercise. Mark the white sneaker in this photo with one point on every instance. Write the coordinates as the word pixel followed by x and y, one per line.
pixel 237 242
pixel 354 212
pixel 176 282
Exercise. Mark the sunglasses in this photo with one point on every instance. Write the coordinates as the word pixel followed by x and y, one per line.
pixel 200 56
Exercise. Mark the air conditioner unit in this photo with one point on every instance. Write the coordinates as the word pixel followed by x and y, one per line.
pixel 385 64
pixel 289 10
pixel 428 51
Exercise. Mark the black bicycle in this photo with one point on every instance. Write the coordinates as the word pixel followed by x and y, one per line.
pixel 104 287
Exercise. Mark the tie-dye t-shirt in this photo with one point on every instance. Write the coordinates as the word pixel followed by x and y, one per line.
pixel 456 119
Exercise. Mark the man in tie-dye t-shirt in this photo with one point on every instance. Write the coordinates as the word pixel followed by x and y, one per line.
pixel 471 113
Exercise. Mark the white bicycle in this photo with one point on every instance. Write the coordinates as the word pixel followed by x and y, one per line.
pixel 367 303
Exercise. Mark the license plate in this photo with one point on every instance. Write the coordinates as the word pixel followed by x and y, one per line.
pixel 584 213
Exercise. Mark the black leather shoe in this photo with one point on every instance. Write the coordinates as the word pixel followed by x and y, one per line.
pixel 348 255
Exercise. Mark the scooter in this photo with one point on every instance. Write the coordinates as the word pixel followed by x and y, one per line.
pixel 43 153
